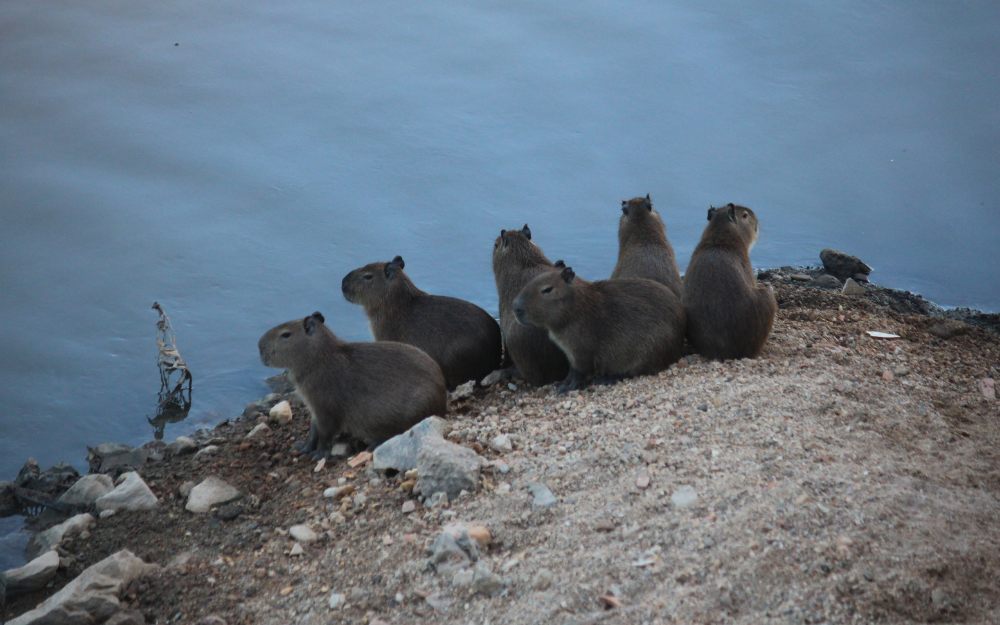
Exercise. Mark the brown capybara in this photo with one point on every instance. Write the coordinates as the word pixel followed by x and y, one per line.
pixel 463 338
pixel 516 260
pixel 609 329
pixel 643 248
pixel 366 392
pixel 729 315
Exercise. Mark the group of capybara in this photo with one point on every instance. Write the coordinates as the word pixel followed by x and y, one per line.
pixel 556 327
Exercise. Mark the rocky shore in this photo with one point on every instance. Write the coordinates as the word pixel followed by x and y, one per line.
pixel 839 478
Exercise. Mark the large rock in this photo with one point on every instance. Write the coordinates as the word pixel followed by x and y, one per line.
pixel 52 537
pixel 53 480
pixel 211 492
pixel 87 490
pixel 448 468
pixel 92 597
pixel 181 446
pixel 400 452
pixel 948 329
pixel 131 494
pixel 33 575
pixel 116 458
pixel 28 473
pixel 843 265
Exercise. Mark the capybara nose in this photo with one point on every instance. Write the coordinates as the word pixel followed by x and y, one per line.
pixel 343 284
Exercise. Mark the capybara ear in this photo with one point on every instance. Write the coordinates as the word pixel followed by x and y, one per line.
pixel 389 270
pixel 732 211
pixel 710 210
pixel 503 237
pixel 568 275
pixel 649 203
pixel 560 264
pixel 526 231
pixel 309 325
pixel 319 317
pixel 624 207
pixel 398 261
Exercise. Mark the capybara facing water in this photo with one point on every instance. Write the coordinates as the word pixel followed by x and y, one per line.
pixel 461 337
pixel 643 248
pixel 367 392
pixel 728 314
pixel 609 329
pixel 516 260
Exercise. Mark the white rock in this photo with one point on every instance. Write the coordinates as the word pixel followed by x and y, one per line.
pixel 281 413
pixel 336 600
pixel 259 431
pixel 131 494
pixel 852 288
pixel 463 390
pixel 87 490
pixel 207 451
pixel 107 513
pixel 211 492
pixel 33 575
pixel 303 534
pixel 52 537
pixel 296 550
pixel 181 445
pixel 185 489
pixel 684 497
pixel 501 444
pixel 492 378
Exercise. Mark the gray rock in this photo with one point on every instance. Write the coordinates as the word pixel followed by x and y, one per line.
pixel 684 497
pixel 501 444
pixel 205 452
pixel 447 467
pixel 543 579
pixel 181 446
pixel 52 537
pixel 437 500
pixel 33 575
pixel 8 502
pixel 948 329
pixel 448 554
pixel 92 597
pixel 53 480
pixel 131 494
pixel 281 384
pixel 463 579
pixel 87 490
pixel 852 288
pixel 116 457
pixel 400 452
pixel 229 512
pixel 801 277
pixel 185 489
pixel 303 534
pixel 336 600
pixel 262 405
pixel 543 497
pixel 843 265
pixel 211 492
pixel 28 473
pixel 463 390
pixel 486 582
pixel 827 281
pixel 259 431
pixel 493 377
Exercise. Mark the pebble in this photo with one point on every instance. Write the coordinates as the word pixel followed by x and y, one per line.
pixel 409 506
pixel 642 481
pixel 296 550
pixel 988 388
pixel 281 413
pixel 211 492
pixel 259 431
pixel 463 390
pixel 887 375
pixel 360 499
pixel 336 600
pixel 336 492
pixel 229 512
pixel 492 378
pixel 501 444
pixel 206 451
pixel 543 497
pixel 543 579
pixel 481 535
pixel 303 534
pixel 106 513
pixel 684 497
pixel 131 494
pixel 852 288
pixel 900 371
pixel 801 277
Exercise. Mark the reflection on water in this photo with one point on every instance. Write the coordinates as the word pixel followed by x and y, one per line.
pixel 174 398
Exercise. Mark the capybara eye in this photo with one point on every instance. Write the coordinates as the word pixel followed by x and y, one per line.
pixel 547 289
pixel 368 276
pixel 285 335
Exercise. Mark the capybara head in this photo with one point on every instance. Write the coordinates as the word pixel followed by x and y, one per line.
pixel 741 218
pixel 547 300
pixel 515 247
pixel 638 212
pixel 292 344
pixel 374 283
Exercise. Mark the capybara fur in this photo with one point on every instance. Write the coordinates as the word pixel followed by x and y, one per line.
pixel 463 338
pixel 643 248
pixel 516 260
pixel 729 315
pixel 366 392
pixel 609 329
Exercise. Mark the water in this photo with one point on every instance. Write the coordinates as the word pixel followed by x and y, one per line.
pixel 236 176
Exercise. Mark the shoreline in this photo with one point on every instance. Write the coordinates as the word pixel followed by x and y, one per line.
pixel 798 299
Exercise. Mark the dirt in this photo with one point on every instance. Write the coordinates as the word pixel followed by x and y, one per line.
pixel 839 479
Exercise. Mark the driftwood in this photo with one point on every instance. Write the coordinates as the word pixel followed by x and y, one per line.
pixel 174 399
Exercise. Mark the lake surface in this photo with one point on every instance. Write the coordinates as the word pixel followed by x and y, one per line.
pixel 233 160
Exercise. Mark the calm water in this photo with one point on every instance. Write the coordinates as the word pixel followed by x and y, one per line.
pixel 233 160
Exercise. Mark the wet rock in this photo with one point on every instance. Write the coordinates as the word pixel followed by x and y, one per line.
pixel 131 494
pixel 116 458
pixel 827 281
pixel 463 390
pixel 211 492
pixel 281 384
pixel 948 329
pixel 28 473
pixel 33 575
pixel 8 502
pixel 399 453
pixel 87 490
pixel 843 265
pixel 447 467
pixel 543 497
pixel 303 534
pixel 501 444
pixel 852 288
pixel 53 537
pixel 180 447
pixel 684 497
pixel 54 480
pixel 93 596
pixel 280 413
pixel 229 512
pixel 543 579
pixel 485 581
pixel 259 431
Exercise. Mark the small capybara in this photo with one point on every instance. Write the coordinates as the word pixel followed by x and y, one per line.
pixel 516 260
pixel 643 248
pixel 609 329
pixel 463 338
pixel 367 392
pixel 729 315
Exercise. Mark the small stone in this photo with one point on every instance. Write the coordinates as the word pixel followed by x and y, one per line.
pixel 211 492
pixel 287 590
pixel 463 578
pixel 259 431
pixel 280 413
pixel 360 499
pixel 948 329
pixel 827 281
pixel 543 579
pixel 407 486
pixel 501 444
pixel 486 582
pixel 900 371
pixel 87 490
pixel 543 497
pixel 336 600
pixel 106 513
pixel 481 535
pixel 512 386
pixel 409 506
pixel 801 277
pixel 448 554
pixel 492 378
pixel 208 450
pixel 303 534
pixel 33 575
pixel 53 537
pixel 988 388
pixel 182 445
pixel 229 512
pixel 463 390
pixel 939 598
pixel 684 497
pixel 887 375
pixel 437 500
pixel 338 518
pixel 185 489
pixel 642 481
pixel 336 492
pixel 296 550
pixel 852 288
pixel 131 494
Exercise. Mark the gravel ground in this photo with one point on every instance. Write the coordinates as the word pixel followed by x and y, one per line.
pixel 836 479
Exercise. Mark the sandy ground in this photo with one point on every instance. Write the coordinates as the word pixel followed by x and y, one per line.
pixel 838 479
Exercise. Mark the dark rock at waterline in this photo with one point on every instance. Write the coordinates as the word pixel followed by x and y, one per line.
pixel 262 405
pixel 116 458
pixel 52 481
pixel 843 265
pixel 28 472
pixel 8 502
pixel 281 383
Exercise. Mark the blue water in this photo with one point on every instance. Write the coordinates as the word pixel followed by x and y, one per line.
pixel 233 160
